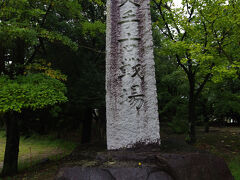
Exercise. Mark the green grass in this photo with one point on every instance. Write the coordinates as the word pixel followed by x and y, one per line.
pixel 234 166
pixel 223 142
pixel 36 148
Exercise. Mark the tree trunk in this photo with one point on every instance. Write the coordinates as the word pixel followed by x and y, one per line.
pixel 102 117
pixel 100 124
pixel 10 166
pixel 191 113
pixel 2 60
pixel 206 126
pixel 19 56
pixel 205 115
pixel 87 126
pixel 206 121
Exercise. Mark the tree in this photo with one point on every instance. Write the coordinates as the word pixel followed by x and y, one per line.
pixel 224 98
pixel 201 38
pixel 85 68
pixel 23 34
pixel 172 95
pixel 32 91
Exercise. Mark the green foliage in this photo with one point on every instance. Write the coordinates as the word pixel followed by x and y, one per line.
pixel 224 99
pixel 99 2
pixel 25 20
pixel 202 34
pixel 29 30
pixel 42 147
pixel 201 39
pixel 32 91
pixel 178 125
pixel 25 28
pixel 94 28
pixel 42 66
pixel 234 166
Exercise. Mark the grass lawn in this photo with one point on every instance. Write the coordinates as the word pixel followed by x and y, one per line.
pixel 234 166
pixel 224 142
pixel 36 149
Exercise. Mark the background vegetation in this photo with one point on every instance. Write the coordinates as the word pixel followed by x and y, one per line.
pixel 52 70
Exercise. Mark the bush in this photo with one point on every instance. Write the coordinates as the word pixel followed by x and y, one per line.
pixel 178 125
pixel 234 166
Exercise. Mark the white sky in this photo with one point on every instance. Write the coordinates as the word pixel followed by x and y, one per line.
pixel 177 3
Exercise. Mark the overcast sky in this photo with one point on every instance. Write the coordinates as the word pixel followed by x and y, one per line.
pixel 177 2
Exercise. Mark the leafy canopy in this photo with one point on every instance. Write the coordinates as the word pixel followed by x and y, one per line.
pixel 26 20
pixel 33 91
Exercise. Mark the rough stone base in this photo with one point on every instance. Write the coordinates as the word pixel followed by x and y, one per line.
pixel 80 173
pixel 150 165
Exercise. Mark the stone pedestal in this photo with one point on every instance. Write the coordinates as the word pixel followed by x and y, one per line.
pixel 148 165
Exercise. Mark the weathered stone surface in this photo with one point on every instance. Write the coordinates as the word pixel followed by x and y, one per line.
pixel 131 99
pixel 79 173
pixel 124 165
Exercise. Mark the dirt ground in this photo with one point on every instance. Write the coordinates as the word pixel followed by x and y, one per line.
pixel 224 142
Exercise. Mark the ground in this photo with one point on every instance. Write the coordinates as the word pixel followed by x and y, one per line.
pixel 37 150
pixel 224 142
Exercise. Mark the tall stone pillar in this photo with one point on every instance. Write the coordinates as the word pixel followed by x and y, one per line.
pixel 131 98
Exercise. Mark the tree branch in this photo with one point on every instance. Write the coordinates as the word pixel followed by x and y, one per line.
pixel 172 17
pixel 164 33
pixel 220 48
pixel 163 18
pixel 2 4
pixel 181 65
pixel 36 48
pixel 2 60
pixel 206 36
pixel 47 12
pixel 189 20
pixel 170 35
pixel 42 46
pixel 30 60
pixel 206 78
pixel 92 49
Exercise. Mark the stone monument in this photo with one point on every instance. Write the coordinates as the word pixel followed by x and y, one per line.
pixel 132 113
pixel 131 98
